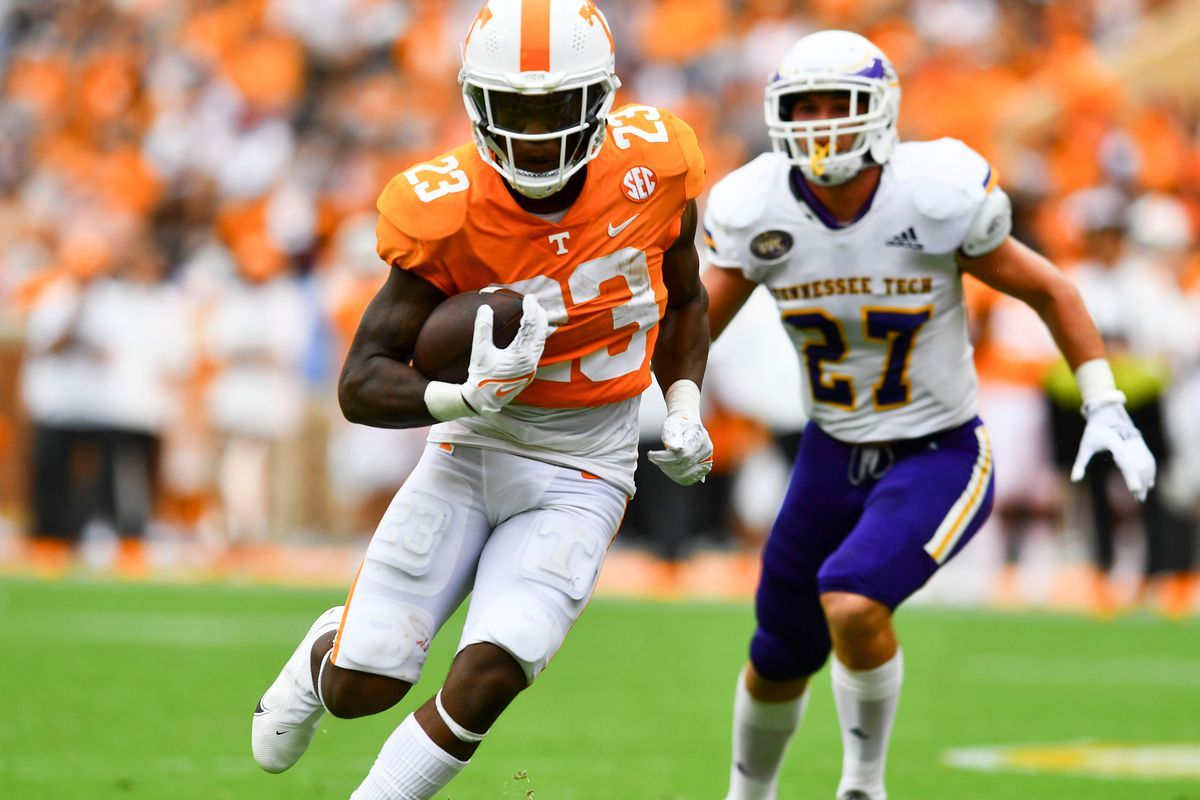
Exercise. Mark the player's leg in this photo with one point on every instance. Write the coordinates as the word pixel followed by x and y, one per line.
pixel 536 573
pixel 918 515
pixel 791 640
pixel 365 658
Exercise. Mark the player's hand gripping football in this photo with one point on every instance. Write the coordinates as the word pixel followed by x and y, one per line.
pixel 688 456
pixel 497 375
pixel 1109 428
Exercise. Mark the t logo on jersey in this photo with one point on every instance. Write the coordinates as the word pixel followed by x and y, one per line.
pixel 639 183
pixel 559 239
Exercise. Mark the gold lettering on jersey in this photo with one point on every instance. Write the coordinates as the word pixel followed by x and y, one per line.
pixel 558 239
pixel 858 284
pixel 813 290
pixel 908 285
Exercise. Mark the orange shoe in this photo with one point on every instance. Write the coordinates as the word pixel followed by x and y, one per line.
pixel 1177 598
pixel 1104 602
pixel 131 559
pixel 1007 594
pixel 49 558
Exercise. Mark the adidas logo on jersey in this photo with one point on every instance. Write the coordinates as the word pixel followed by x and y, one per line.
pixel 906 238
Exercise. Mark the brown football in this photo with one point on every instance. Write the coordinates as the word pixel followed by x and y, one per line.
pixel 443 348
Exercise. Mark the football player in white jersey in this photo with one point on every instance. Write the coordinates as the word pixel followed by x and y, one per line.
pixel 863 241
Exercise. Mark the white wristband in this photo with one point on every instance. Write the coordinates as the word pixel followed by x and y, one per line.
pixel 1097 385
pixel 445 401
pixel 684 397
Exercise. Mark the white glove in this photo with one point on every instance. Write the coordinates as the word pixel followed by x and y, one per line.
pixel 689 454
pixel 1110 428
pixel 497 375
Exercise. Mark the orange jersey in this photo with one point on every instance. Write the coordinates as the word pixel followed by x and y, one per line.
pixel 597 272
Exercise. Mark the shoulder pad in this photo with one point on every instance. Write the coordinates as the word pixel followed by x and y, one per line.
pixel 656 138
pixel 739 199
pixel 947 183
pixel 949 179
pixel 428 201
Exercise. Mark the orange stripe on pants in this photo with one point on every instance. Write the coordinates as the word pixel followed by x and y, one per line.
pixel 337 642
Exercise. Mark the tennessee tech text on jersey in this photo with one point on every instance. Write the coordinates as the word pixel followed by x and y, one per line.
pixel 597 272
pixel 875 308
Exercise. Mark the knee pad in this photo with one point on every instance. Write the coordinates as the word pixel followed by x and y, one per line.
pixel 792 638
pixel 785 659
pixel 389 639
pixel 524 627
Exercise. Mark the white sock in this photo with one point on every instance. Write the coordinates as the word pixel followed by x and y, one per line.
pixel 761 732
pixel 866 704
pixel 409 767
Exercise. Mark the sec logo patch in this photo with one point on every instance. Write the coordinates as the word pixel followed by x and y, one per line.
pixel 639 183
pixel 771 245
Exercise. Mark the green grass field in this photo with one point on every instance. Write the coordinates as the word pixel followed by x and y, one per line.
pixel 145 691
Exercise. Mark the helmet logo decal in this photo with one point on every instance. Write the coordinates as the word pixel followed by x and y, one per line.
pixel 639 183
pixel 535 35
pixel 591 15
pixel 873 70
pixel 481 20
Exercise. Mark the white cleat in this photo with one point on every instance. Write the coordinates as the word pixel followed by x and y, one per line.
pixel 288 713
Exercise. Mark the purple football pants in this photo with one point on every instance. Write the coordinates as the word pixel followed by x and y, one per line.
pixel 872 520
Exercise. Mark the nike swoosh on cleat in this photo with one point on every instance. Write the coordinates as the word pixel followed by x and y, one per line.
pixel 614 230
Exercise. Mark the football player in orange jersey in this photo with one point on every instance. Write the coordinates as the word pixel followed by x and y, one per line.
pixel 590 213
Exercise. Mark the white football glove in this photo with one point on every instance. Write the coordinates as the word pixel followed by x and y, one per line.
pixel 497 375
pixel 688 456
pixel 1110 428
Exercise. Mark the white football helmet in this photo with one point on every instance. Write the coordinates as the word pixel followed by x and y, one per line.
pixel 834 61
pixel 559 51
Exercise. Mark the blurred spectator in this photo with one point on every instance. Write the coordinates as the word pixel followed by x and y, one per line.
pixel 255 334
pixel 62 384
pixel 140 329
pixel 1135 305
pixel 1013 351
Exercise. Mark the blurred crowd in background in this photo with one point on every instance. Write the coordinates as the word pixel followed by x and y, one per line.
pixel 187 219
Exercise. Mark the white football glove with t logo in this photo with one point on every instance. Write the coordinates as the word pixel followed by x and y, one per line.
pixel 688 456
pixel 497 375
pixel 1110 429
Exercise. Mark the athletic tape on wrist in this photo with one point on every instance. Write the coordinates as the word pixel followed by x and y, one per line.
pixel 460 733
pixel 684 397
pixel 1097 385
pixel 445 401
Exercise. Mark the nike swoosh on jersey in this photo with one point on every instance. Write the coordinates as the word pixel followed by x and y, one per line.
pixel 614 230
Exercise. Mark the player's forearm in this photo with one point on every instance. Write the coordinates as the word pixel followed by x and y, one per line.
pixel 383 393
pixel 681 352
pixel 1061 307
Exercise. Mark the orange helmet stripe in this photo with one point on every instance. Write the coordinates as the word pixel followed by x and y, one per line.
pixel 535 36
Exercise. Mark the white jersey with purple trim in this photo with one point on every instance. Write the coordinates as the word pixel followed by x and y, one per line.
pixel 875 308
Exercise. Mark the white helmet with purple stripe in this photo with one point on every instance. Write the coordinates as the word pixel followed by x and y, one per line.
pixel 834 61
